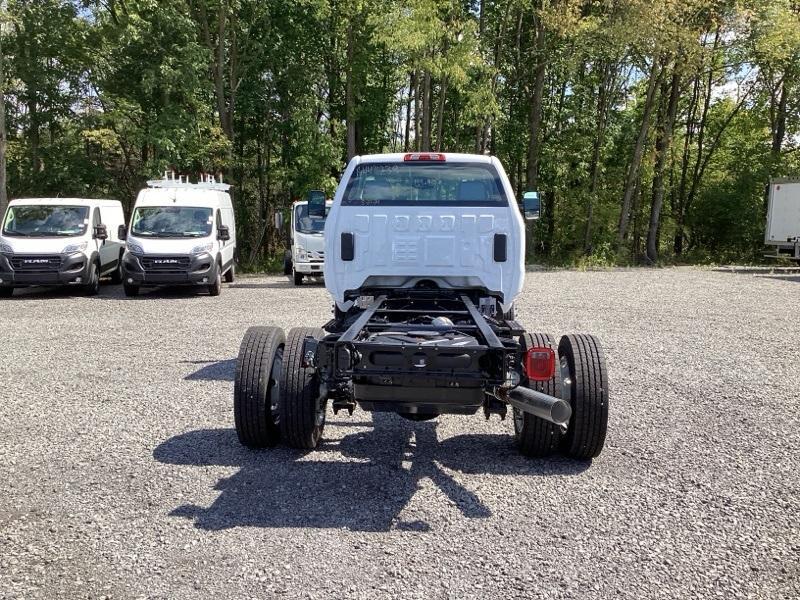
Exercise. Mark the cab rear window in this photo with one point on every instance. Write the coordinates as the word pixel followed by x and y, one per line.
pixel 424 184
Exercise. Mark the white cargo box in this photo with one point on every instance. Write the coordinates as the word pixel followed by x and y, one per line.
pixel 783 216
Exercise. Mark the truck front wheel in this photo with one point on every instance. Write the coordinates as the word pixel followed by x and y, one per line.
pixel 533 436
pixel 256 389
pixel 301 407
pixel 588 389
pixel 92 286
pixel 298 277
pixel 216 288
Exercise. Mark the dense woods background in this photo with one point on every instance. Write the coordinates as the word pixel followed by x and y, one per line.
pixel 651 127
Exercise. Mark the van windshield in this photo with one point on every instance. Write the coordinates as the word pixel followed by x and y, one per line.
pixel 425 184
pixel 305 224
pixel 172 221
pixel 46 220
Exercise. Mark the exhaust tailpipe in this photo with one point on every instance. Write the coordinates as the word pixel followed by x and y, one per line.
pixel 540 405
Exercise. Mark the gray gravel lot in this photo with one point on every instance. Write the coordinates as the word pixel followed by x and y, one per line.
pixel 121 475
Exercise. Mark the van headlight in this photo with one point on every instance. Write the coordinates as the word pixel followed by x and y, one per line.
pixel 73 248
pixel 6 249
pixel 302 255
pixel 203 248
pixel 134 248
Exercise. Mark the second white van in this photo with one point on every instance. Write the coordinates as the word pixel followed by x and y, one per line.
pixel 180 233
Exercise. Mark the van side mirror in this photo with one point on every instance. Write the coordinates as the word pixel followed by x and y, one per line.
pixel 122 232
pixel 316 204
pixel 100 232
pixel 223 233
pixel 278 220
pixel 531 206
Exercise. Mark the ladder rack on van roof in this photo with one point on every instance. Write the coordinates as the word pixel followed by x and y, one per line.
pixel 207 182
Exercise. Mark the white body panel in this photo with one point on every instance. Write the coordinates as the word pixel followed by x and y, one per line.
pixel 308 249
pixel 218 201
pixel 101 212
pixel 397 245
pixel 783 217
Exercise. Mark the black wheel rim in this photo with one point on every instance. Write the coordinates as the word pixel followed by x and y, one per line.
pixel 274 387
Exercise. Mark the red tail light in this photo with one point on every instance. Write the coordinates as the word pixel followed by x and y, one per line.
pixel 540 363
pixel 433 156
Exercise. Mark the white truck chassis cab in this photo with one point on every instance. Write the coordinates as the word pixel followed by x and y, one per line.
pixel 60 241
pixel 307 254
pixel 424 260
pixel 180 234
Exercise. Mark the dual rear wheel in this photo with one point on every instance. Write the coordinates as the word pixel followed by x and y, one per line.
pixel 582 379
pixel 276 396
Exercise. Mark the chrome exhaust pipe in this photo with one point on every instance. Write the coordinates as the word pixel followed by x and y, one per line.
pixel 540 405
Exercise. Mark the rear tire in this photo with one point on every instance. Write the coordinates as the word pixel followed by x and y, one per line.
pixel 230 274
pixel 588 373
pixel 287 264
pixel 116 276
pixel 130 290
pixel 215 289
pixel 6 292
pixel 533 436
pixel 92 287
pixel 298 277
pixel 256 390
pixel 302 411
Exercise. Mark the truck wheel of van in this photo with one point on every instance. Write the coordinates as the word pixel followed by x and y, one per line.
pixel 116 276
pixel 92 287
pixel 230 274
pixel 216 288
pixel 297 277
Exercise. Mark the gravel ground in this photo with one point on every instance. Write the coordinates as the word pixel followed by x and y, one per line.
pixel 121 475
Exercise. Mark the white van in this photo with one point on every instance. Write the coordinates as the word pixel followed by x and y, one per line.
pixel 180 234
pixel 307 255
pixel 60 241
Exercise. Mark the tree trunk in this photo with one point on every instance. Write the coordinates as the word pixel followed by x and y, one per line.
pixel 219 73
pixel 426 112
pixel 535 114
pixel 3 135
pixel 350 109
pixel 663 145
pixel 417 138
pixel 406 147
pixel 440 117
pixel 638 151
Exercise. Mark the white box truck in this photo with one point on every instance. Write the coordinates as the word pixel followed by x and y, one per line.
pixel 783 218
pixel 60 241
pixel 180 233
pixel 306 257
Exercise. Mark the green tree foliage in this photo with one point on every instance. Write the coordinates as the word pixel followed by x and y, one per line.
pixel 650 127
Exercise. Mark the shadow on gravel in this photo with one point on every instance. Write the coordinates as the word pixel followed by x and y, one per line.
pixel 35 292
pixel 792 279
pixel 219 370
pixel 276 284
pixel 288 488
